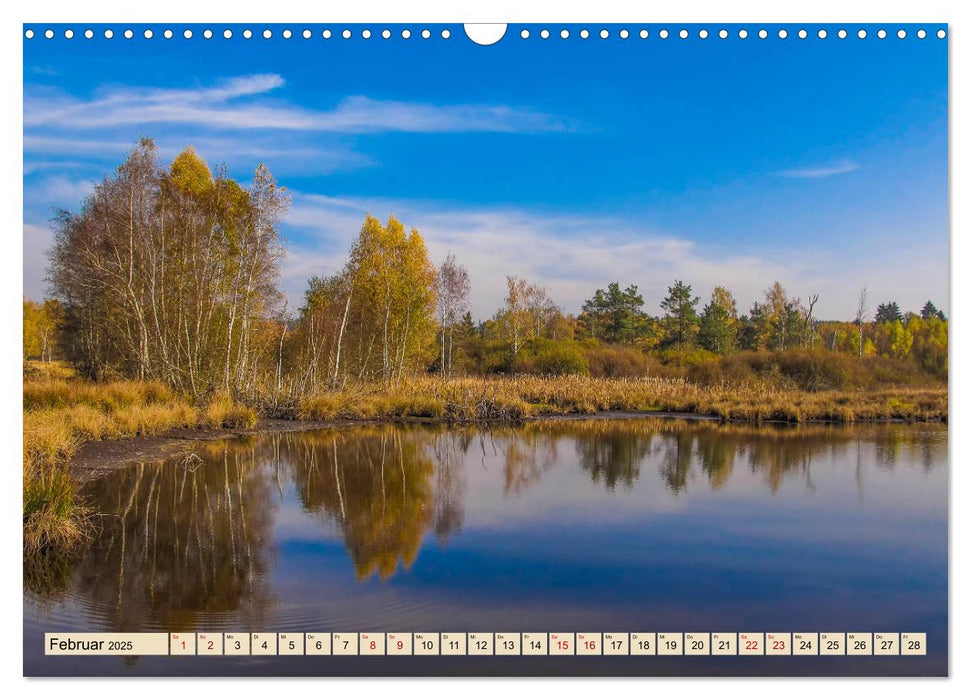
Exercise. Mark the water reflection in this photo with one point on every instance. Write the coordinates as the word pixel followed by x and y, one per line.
pixel 197 539
pixel 180 539
pixel 376 484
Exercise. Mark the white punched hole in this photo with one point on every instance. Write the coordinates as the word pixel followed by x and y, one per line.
pixel 488 34
pixel 29 34
pixel 327 34
pixel 941 34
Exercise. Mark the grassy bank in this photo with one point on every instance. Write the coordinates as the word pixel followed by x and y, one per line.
pixel 518 398
pixel 62 414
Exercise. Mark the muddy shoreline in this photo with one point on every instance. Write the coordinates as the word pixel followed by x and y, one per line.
pixel 94 459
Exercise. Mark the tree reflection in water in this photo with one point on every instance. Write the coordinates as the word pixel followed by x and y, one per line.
pixel 376 483
pixel 177 539
pixel 184 538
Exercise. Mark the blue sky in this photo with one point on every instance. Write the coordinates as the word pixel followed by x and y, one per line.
pixel 820 162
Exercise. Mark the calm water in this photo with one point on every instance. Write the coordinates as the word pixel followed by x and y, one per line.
pixel 620 525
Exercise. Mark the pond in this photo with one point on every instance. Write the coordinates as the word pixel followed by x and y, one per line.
pixel 632 525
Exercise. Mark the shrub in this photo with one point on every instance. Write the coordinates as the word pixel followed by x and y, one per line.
pixel 617 361
pixel 553 359
pixel 815 370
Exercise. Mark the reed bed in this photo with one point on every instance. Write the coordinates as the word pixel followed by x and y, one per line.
pixel 471 399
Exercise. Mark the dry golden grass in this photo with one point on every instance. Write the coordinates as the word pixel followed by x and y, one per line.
pixel 62 414
pixel 223 412
pixel 54 517
pixel 514 398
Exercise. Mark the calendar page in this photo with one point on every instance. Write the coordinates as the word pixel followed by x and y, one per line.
pixel 538 349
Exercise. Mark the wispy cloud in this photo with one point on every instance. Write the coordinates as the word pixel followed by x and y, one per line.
pixel 571 255
pixel 42 152
pixel 243 103
pixel 57 191
pixel 814 172
pixel 37 241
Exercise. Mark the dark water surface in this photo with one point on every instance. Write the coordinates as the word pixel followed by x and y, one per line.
pixel 606 525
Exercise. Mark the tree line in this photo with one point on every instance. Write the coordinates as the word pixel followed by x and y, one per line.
pixel 170 273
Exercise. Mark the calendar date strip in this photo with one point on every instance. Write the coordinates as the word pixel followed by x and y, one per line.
pixel 486 644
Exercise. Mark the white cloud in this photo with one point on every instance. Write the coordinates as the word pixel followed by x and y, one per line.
pixel 819 171
pixel 37 241
pixel 57 191
pixel 38 166
pixel 225 106
pixel 240 152
pixel 574 255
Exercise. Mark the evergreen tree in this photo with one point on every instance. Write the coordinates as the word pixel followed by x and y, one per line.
pixel 614 315
pixel 889 312
pixel 680 318
pixel 930 311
